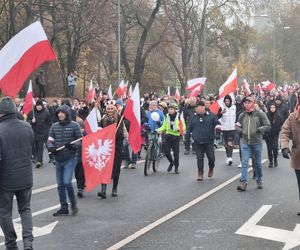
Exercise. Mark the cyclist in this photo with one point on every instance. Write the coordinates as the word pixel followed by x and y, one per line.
pixel 155 117
pixel 171 128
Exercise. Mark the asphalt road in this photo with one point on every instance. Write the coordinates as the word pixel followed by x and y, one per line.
pixel 211 223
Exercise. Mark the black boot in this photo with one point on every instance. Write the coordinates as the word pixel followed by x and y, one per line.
pixel 176 170
pixel 115 187
pixel 102 194
pixel 275 163
pixel 270 164
pixel 170 167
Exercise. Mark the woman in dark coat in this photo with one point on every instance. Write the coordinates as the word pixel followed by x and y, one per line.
pixel 109 118
pixel 272 137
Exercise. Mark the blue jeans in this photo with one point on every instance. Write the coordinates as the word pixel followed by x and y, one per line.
pixel 255 150
pixel 64 174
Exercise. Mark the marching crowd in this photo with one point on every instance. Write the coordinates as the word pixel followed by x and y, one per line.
pixel 241 122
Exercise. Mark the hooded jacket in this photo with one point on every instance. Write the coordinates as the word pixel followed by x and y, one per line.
pixel 16 141
pixel 64 132
pixel 227 119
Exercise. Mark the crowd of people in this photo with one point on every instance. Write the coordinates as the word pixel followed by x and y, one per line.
pixel 241 122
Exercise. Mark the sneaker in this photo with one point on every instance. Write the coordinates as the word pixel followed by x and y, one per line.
pixel 240 165
pixel 242 186
pixel 170 167
pixel 61 212
pixel 230 161
pixel 80 193
pixel 275 163
pixel 74 210
pixel 133 166
pixel 187 152
pixel 114 193
pixel 38 164
pixel 210 172
pixel 259 185
pixel 200 176
pixel 101 195
pixel 28 248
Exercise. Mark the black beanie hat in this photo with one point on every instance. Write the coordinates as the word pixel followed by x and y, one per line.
pixel 39 102
pixel 7 106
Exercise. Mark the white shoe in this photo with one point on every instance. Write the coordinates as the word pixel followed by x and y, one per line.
pixel 240 165
pixel 229 161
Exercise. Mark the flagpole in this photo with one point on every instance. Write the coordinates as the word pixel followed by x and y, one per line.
pixel 119 43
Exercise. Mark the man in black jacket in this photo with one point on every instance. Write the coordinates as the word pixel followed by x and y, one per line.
pixel 16 141
pixel 202 127
pixel 62 133
pixel 40 120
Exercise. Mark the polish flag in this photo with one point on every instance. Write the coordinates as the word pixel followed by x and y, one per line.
pixel 121 89
pixel 109 93
pixel 268 86
pixel 231 85
pixel 195 92
pixel 246 87
pixel 133 114
pixel 259 88
pixel 29 100
pixel 98 153
pixel 91 122
pixel 129 94
pixel 91 93
pixel 195 83
pixel 22 55
pixel 182 127
pixel 177 95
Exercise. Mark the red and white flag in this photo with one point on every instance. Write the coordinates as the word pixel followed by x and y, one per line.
pixel 98 153
pixel 23 54
pixel 177 95
pixel 91 122
pixel 129 94
pixel 230 86
pixel 109 93
pixel 195 83
pixel 246 87
pixel 182 126
pixel 121 89
pixel 259 88
pixel 268 86
pixel 133 114
pixel 29 100
pixel 91 94
pixel 195 92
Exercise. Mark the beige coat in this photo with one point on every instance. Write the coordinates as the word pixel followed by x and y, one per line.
pixel 291 131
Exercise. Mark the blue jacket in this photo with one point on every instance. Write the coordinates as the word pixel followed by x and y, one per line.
pixel 153 124
pixel 202 128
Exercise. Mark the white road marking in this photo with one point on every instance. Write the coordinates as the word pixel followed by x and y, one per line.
pixel 291 239
pixel 171 215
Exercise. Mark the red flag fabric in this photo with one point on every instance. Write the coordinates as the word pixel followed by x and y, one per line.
pixel 98 153
pixel 246 87
pixel 181 124
pixel 91 93
pixel 121 89
pixel 268 86
pixel 132 113
pixel 231 85
pixel 23 54
pixel 29 101
pixel 195 83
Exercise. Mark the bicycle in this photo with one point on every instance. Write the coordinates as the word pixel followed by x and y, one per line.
pixel 154 152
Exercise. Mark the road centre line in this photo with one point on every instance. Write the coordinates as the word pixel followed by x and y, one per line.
pixel 173 214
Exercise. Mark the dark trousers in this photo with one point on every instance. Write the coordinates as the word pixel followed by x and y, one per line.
pixel 298 180
pixel 71 90
pixel 42 91
pixel 272 146
pixel 172 143
pixel 6 223
pixel 79 175
pixel 229 142
pixel 187 144
pixel 39 149
pixel 208 149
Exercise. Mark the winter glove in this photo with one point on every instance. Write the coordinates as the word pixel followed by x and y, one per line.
pixel 70 146
pixel 52 150
pixel 285 153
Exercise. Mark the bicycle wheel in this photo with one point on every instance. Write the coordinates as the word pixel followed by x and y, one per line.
pixel 148 159
pixel 159 155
